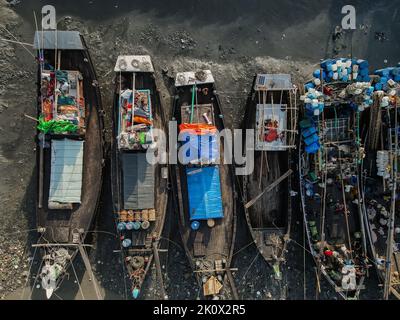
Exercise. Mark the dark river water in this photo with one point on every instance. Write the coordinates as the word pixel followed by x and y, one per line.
pixel 305 25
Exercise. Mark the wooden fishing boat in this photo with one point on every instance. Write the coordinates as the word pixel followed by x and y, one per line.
pixel 330 155
pixel 380 178
pixel 139 187
pixel 204 185
pixel 69 150
pixel 271 111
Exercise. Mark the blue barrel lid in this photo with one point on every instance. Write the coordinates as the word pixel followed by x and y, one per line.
pixel 129 225
pixel 126 243
pixel 136 225
pixel 195 225
pixel 121 226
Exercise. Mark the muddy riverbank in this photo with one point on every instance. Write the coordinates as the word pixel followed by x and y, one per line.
pixel 235 39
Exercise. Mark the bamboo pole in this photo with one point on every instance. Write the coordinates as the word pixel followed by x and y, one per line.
pixel 158 268
pixel 389 248
pixel 345 207
pixel 90 271
pixel 269 188
pixel 133 99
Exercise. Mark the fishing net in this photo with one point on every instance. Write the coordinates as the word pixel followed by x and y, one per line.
pixel 56 126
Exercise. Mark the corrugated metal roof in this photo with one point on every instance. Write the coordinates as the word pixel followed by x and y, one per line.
pixel 134 64
pixel 66 171
pixel 65 40
pixel 138 181
pixel 204 192
pixel 190 78
pixel 273 82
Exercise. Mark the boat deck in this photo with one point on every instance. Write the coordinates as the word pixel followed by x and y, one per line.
pixel 207 245
pixel 59 224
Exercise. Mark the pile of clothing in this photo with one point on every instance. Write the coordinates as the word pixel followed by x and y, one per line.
pixel 70 106
pixel 47 94
pixel 61 105
pixel 136 120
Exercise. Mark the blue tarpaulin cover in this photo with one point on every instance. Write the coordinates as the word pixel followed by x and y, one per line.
pixel 200 148
pixel 204 192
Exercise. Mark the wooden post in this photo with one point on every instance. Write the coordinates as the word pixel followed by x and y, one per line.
pixel 389 248
pixel 41 170
pixel 269 188
pixel 89 269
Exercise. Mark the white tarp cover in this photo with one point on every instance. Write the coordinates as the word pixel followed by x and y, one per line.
pixel 273 118
pixel 66 171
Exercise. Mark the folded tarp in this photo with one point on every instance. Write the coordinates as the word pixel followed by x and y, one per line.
pixel 204 193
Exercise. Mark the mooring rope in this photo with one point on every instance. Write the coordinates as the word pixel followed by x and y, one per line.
pixel 21 43
pixel 77 280
pixel 29 270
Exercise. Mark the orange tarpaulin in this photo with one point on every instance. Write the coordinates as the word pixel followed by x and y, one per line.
pixel 138 119
pixel 198 128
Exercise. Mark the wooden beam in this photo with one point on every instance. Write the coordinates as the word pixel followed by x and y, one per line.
pixel 158 268
pixel 395 293
pixel 60 245
pixel 269 188
pixel 215 270
pixel 90 271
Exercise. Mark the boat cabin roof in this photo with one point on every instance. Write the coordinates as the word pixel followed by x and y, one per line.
pixel 60 40
pixel 66 171
pixel 190 78
pixel 138 181
pixel 134 64
pixel 273 82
